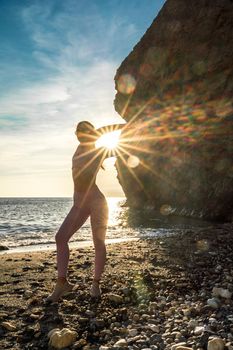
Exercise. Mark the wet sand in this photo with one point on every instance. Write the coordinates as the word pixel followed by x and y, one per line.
pixel 156 293
pixel 52 246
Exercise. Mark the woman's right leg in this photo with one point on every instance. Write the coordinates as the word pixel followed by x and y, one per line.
pixel 74 220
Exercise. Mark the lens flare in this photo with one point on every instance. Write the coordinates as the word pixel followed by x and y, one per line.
pixel 126 84
pixel 133 161
pixel 165 209
pixel 203 245
pixel 109 140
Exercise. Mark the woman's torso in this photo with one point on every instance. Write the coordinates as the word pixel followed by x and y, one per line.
pixel 85 166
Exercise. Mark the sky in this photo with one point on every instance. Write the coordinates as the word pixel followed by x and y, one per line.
pixel 57 65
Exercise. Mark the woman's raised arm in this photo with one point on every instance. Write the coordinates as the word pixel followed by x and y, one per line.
pixel 109 128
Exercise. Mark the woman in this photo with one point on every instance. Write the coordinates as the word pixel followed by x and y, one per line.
pixel 88 200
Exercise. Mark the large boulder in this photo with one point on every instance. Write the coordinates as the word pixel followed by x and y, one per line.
pixel 175 91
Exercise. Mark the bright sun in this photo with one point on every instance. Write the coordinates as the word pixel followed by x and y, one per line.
pixel 109 140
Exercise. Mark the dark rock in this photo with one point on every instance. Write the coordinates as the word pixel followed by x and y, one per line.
pixel 3 247
pixel 35 284
pixel 203 340
pixel 175 91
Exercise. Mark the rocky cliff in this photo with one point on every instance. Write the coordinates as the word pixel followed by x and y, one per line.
pixel 175 91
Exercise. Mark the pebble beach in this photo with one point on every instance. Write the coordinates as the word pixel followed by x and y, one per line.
pixel 163 293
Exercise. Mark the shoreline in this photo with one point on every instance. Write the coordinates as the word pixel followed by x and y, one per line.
pixel 52 246
pixel 156 293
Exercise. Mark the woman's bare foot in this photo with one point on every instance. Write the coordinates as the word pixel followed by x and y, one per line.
pixel 61 288
pixel 95 289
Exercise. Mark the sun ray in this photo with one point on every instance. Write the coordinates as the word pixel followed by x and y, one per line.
pixel 85 153
pixel 139 149
pixel 144 151
pixel 136 148
pixel 157 174
pixel 91 160
pixel 109 140
pixel 152 99
pixel 140 111
pixel 171 134
pixel 93 178
pixel 130 170
pixel 126 105
pixel 133 174
pixel 149 168
pixel 119 172
pixel 109 128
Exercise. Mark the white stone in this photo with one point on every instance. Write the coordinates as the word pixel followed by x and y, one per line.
pixel 216 344
pixel 218 268
pixel 132 332
pixel 120 342
pixel 198 330
pixel 153 328
pixel 175 346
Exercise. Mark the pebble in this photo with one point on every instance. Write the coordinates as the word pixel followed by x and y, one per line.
pixel 98 322
pixel 213 302
pixel 118 299
pixel 192 324
pixel 132 332
pixel 175 346
pixel 60 339
pixel 120 343
pixel 80 344
pixel 153 328
pixel 136 317
pixel 90 313
pixel 4 247
pixel 229 346
pixel 9 326
pixel 28 293
pixel 175 318
pixel 221 292
pixel 198 330
pixel 83 320
pixel 216 344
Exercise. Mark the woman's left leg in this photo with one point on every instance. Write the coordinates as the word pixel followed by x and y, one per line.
pixel 99 219
pixel 100 251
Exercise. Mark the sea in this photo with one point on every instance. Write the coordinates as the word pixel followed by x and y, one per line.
pixel 28 222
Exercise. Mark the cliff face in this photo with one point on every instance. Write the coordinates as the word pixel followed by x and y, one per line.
pixel 175 91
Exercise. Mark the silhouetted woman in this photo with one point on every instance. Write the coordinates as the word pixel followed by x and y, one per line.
pixel 88 200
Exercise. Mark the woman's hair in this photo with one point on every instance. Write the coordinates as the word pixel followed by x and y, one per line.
pixel 85 126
